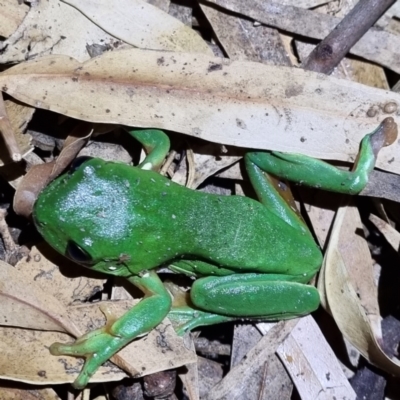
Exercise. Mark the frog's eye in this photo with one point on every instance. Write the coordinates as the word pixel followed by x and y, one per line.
pixel 77 254
pixel 77 163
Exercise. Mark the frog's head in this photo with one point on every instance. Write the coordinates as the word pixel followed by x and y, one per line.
pixel 84 215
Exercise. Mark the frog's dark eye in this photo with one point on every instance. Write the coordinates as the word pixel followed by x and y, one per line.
pixel 77 163
pixel 77 254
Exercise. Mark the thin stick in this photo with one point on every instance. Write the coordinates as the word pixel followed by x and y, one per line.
pixel 8 241
pixel 328 54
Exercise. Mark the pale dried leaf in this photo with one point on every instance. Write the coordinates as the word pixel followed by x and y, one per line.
pixel 190 377
pixel 161 4
pixel 13 153
pixel 233 172
pixel 25 357
pixel 47 30
pixel 304 3
pixel 183 12
pixel 33 308
pixel 106 151
pixel 12 14
pixel 394 11
pixel 208 160
pixel 44 266
pixel 391 234
pixel 350 298
pixel 19 116
pixel 231 386
pixel 270 380
pixel 242 40
pixel 23 394
pixel 142 25
pixel 237 103
pixel 312 364
pixel 376 45
pixel 353 248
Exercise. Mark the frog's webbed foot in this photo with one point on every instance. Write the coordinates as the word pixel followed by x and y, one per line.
pixel 101 344
pixel 186 318
pixel 96 347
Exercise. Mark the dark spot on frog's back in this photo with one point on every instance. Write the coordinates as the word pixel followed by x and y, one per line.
pixel 293 90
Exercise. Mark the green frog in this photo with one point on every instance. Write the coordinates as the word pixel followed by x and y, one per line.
pixel 248 259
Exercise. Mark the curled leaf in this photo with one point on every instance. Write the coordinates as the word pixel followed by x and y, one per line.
pixel 346 282
pixel 40 175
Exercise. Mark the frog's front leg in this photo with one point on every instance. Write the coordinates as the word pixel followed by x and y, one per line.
pixel 251 296
pixel 99 345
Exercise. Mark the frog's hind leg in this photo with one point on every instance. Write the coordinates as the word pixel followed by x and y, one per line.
pixel 249 296
pixel 312 172
pixel 269 195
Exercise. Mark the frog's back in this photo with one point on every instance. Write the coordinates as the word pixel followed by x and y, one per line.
pixel 153 220
pixel 241 234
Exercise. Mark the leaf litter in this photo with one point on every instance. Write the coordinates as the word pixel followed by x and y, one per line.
pixel 233 101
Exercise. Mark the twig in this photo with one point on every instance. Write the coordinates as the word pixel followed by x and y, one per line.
pixel 328 54
pixel 8 241
pixel 168 162
pixel 7 132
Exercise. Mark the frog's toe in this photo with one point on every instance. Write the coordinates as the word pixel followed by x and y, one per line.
pixel 86 373
pixel 73 349
pixel 96 347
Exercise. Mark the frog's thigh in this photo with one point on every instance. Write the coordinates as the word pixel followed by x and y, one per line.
pixel 269 296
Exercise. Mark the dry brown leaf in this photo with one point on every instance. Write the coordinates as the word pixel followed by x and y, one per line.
pixel 239 103
pixel 142 25
pixel 376 45
pixel 40 175
pixel 346 284
pixel 47 30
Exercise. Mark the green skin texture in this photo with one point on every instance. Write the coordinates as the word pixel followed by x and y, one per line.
pixel 250 259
